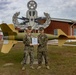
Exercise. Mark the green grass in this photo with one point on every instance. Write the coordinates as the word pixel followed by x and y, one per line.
pixel 62 61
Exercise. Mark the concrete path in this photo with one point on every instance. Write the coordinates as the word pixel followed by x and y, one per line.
pixel 55 42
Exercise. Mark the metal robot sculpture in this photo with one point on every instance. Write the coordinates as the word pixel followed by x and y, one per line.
pixel 31 18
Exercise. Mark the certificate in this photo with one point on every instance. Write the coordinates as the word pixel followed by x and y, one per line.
pixel 34 41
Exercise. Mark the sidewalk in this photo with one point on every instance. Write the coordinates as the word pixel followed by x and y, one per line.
pixel 55 42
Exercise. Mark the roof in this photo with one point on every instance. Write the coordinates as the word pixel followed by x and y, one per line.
pixel 64 20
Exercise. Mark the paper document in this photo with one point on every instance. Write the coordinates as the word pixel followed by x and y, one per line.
pixel 34 41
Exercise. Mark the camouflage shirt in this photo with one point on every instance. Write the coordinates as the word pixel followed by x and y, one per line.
pixel 42 40
pixel 27 40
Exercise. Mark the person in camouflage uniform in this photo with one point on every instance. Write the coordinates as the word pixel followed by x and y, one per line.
pixel 28 48
pixel 42 48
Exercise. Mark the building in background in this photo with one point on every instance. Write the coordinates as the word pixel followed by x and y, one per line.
pixel 66 25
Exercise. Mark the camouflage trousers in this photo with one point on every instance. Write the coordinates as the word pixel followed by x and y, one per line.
pixel 28 52
pixel 40 55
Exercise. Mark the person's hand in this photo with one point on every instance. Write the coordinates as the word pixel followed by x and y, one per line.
pixel 31 44
pixel 36 44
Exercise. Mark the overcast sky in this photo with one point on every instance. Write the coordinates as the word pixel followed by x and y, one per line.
pixel 64 9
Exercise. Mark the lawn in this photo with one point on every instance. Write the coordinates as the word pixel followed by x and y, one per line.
pixel 62 61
